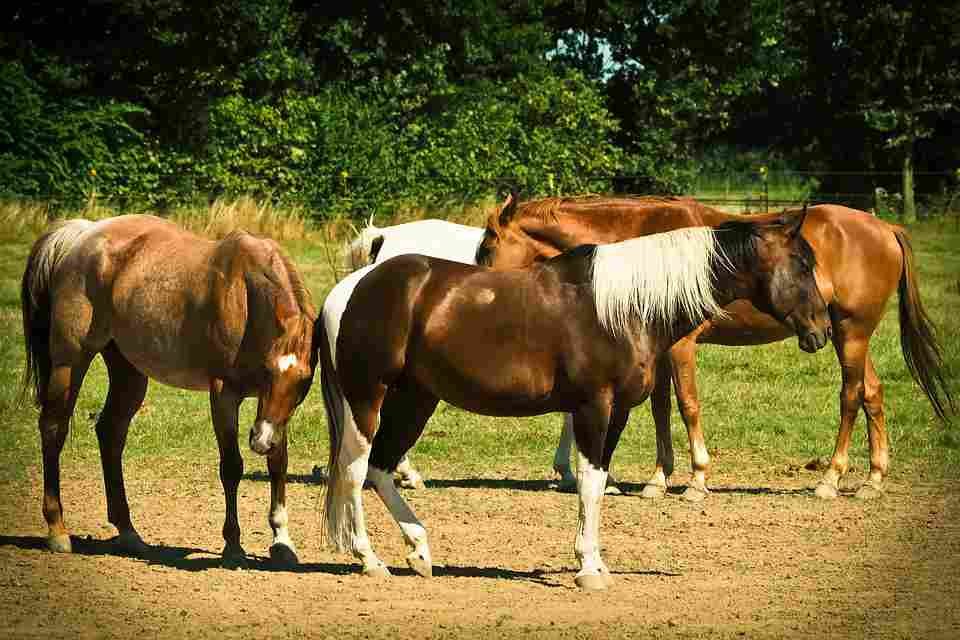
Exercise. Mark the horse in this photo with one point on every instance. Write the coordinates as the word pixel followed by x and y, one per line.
pixel 580 334
pixel 861 261
pixel 232 318
pixel 431 237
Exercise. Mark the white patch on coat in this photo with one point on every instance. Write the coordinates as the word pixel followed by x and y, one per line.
pixel 285 362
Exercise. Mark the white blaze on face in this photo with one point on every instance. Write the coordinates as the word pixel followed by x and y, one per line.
pixel 285 362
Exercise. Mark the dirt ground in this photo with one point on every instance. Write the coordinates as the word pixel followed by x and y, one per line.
pixel 760 558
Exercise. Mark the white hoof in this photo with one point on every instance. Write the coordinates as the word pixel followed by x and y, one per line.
pixel 653 491
pixel 412 482
pixel 826 491
pixel 420 565
pixel 695 494
pixel 60 544
pixel 869 491
pixel 592 581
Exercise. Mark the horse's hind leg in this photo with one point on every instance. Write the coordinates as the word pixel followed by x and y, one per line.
pixel 876 433
pixel 282 551
pixel 851 347
pixel 54 424
pixel 124 398
pixel 403 416
pixel 225 407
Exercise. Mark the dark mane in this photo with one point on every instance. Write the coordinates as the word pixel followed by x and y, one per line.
pixel 738 242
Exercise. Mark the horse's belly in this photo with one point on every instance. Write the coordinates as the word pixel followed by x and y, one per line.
pixel 164 360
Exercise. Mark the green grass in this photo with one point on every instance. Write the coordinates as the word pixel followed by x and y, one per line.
pixel 768 407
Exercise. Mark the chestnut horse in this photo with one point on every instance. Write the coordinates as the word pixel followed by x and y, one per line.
pixel 580 333
pixel 861 262
pixel 231 318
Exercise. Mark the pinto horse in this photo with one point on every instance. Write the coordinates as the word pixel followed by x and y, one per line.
pixel 861 261
pixel 231 318
pixel 580 333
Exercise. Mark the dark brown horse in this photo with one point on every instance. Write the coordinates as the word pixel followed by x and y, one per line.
pixel 861 262
pixel 231 318
pixel 580 333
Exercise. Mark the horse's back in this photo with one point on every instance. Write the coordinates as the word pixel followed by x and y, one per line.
pixel 435 238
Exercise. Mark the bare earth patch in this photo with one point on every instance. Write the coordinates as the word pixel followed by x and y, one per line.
pixel 762 558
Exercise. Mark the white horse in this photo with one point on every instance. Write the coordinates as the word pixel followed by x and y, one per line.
pixel 438 239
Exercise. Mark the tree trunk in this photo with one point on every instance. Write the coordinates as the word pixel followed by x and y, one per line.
pixel 909 203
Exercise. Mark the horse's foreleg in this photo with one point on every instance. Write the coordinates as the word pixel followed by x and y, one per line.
pixel 590 431
pixel 683 358
pixel 851 352
pixel 282 550
pixel 128 387
pixel 403 417
pixel 660 406
pixel 54 424
pixel 876 432
pixel 225 407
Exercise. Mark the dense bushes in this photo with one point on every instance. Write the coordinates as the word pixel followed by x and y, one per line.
pixel 415 140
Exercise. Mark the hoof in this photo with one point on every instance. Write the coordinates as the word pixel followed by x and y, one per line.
pixel 612 490
pixel 412 482
pixel 653 491
pixel 695 494
pixel 592 581
pixel 420 565
pixel 131 544
pixel 59 544
pixel 283 556
pixel 234 558
pixel 826 491
pixel 377 571
pixel 868 491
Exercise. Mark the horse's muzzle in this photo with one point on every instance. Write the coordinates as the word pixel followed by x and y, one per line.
pixel 813 341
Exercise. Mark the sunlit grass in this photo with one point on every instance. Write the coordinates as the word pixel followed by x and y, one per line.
pixel 764 407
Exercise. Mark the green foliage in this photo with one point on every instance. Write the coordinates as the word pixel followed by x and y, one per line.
pixel 414 140
pixel 69 150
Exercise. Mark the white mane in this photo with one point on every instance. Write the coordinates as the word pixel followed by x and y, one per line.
pixel 656 279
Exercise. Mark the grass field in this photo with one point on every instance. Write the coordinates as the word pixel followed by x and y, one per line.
pixel 770 408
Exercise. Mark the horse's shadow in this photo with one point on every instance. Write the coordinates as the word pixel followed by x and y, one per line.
pixel 193 559
pixel 629 489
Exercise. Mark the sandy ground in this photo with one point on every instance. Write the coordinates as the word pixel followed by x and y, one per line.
pixel 760 558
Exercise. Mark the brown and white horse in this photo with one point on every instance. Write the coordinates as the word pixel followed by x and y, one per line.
pixel 861 262
pixel 580 333
pixel 231 318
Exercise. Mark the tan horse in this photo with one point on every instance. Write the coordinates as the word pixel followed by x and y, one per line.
pixel 861 262
pixel 231 318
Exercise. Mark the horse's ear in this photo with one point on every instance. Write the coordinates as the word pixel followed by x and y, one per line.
pixel 509 207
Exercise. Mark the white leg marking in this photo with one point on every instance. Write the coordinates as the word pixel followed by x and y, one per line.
pixel 701 459
pixel 590 485
pixel 278 522
pixel 413 531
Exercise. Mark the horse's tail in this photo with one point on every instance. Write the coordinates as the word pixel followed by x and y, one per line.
pixel 45 256
pixel 335 519
pixel 917 337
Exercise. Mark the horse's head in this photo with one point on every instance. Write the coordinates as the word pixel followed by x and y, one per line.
pixel 505 245
pixel 784 285
pixel 287 368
